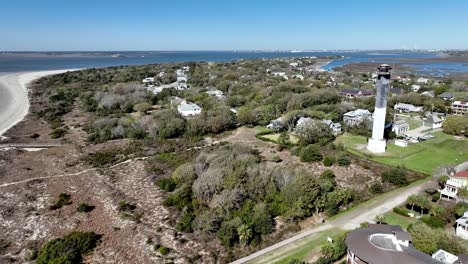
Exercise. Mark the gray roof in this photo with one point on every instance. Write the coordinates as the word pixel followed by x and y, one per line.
pixel 188 107
pixel 381 250
pixel 446 94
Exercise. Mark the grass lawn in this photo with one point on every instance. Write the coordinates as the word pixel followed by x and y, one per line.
pixel 293 139
pixel 392 218
pixel 298 250
pixel 423 157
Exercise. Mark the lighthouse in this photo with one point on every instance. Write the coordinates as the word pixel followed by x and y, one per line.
pixel 377 142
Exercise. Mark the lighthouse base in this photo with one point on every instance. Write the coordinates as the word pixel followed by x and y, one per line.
pixel 376 145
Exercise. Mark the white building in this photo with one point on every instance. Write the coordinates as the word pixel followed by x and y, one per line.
pixel 415 88
pixel 276 124
pixel 216 93
pixel 182 86
pixel 460 107
pixel 188 109
pixel 457 181
pixel 445 257
pixel 294 64
pixel 400 127
pixel 335 127
pixel 356 117
pixel 462 226
pixel 407 108
pixel 423 80
pixel 280 74
pixel 298 76
pixel 149 80
pixel 433 122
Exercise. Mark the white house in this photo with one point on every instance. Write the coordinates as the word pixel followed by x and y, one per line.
pixel 460 107
pixel 445 257
pixel 188 109
pixel 433 122
pixel 280 74
pixel 298 76
pixel 216 93
pixel 462 226
pixel 335 127
pixel 148 80
pixel 428 93
pixel 400 127
pixel 294 64
pixel 423 80
pixel 182 86
pixel 415 88
pixel 457 181
pixel 181 79
pixel 407 108
pixel 356 117
pixel 276 124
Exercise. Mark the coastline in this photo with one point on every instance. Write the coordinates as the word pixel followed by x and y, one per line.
pixel 14 98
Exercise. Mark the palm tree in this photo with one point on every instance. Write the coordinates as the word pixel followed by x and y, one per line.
pixel 245 234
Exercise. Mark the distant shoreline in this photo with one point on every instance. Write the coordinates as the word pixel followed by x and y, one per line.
pixel 14 100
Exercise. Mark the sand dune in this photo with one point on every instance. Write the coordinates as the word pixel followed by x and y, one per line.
pixel 14 101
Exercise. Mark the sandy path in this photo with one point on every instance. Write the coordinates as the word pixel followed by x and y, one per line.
pixel 14 101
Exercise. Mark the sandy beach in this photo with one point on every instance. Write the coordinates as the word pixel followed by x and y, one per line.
pixel 14 101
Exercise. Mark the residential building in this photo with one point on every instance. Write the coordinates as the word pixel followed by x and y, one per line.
pixel 446 257
pixel 407 108
pixel 149 80
pixel 396 91
pixel 298 76
pixel 182 86
pixel 446 96
pixel 400 127
pixel 280 74
pixel 303 120
pixel 356 117
pixel 433 121
pixel 415 88
pixel 351 93
pixel 423 80
pixel 216 93
pixel 462 226
pixel 428 93
pixel 383 244
pixel 456 181
pixel 188 109
pixel 335 127
pixel 276 124
pixel 460 107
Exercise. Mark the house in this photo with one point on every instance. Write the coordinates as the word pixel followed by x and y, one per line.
pixel 407 108
pixel 182 86
pixel 459 107
pixel 405 80
pixel 276 124
pixel 445 257
pixel 149 80
pixel 303 120
pixel 356 117
pixel 383 244
pixel 462 226
pixel 423 80
pixel 396 91
pixel 456 181
pixel 216 93
pixel 428 93
pixel 351 93
pixel 182 79
pixel 446 96
pixel 415 88
pixel 400 127
pixel 433 121
pixel 298 76
pixel 280 74
pixel 294 64
pixel 188 109
pixel 335 127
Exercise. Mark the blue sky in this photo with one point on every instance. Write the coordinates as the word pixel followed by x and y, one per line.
pixel 232 24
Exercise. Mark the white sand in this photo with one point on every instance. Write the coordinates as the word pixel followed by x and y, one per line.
pixel 14 101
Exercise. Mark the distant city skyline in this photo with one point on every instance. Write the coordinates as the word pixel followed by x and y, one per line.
pixel 52 25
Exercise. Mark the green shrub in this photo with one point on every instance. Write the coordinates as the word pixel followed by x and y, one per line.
pixel 156 247
pixel 433 221
pixel 125 206
pixel 85 208
pixel 343 160
pixel 185 223
pixel 164 250
pixel 276 158
pixel 68 249
pixel 328 161
pixel 327 174
pixel 396 176
pixel 311 153
pixel 167 184
pixel 58 133
pixel 401 211
pixel 376 188
pixel 63 199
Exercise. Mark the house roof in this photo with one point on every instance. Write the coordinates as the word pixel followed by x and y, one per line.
pixel 373 245
pixel 430 93
pixel 184 107
pixel 446 94
pixel 461 174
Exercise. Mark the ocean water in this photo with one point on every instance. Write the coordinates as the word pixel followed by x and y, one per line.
pixel 21 63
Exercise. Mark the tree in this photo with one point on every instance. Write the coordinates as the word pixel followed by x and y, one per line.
pixel 424 237
pixel 142 107
pixel 460 209
pixel 456 125
pixel 396 176
pixel 283 139
pixel 312 132
pixel 245 234
pixel 311 153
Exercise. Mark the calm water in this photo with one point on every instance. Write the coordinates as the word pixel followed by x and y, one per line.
pixel 17 64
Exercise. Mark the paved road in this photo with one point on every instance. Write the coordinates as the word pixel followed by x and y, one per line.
pixel 350 220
